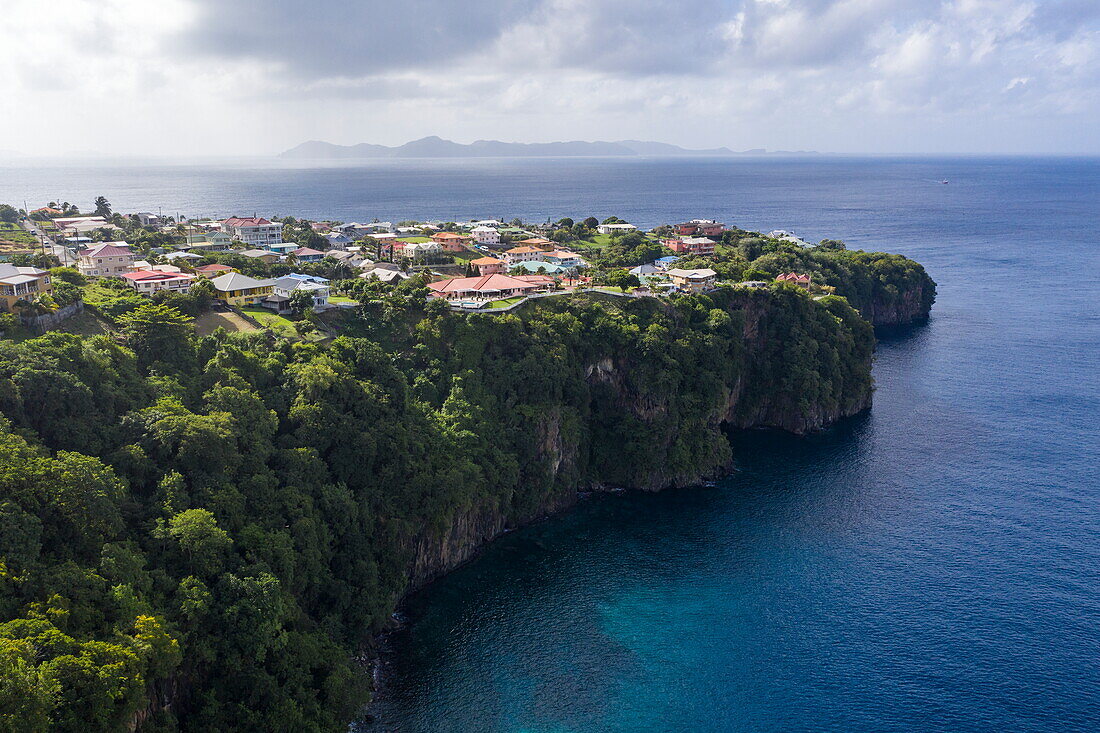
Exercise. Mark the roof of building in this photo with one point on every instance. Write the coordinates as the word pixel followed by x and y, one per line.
pixel 216 267
pixel 306 252
pixel 107 249
pixel 385 274
pixel 255 253
pixel 236 281
pixel 155 276
pixel 524 251
pixel 485 283
pixel 696 240
pixel 15 275
pixel 246 221
pixel 294 283
pixel 486 261
pixel 536 265
pixel 181 256
pixel 537 242
pixel 692 274
pixel 448 235
pixel 794 277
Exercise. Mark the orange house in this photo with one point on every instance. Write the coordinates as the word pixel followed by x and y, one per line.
pixel 451 242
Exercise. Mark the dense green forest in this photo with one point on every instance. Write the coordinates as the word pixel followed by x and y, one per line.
pixel 202 533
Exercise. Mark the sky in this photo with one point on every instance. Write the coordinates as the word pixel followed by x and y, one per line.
pixel 254 77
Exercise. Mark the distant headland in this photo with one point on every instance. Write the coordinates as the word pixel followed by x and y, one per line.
pixel 437 147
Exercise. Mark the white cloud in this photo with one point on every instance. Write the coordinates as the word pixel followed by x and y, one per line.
pixel 253 76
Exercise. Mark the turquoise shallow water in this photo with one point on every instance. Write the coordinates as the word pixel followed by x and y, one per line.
pixel 931 566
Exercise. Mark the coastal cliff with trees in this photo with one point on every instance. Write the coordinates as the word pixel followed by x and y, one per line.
pixel 204 533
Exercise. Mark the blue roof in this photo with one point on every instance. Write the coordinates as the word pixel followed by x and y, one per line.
pixel 535 265
pixel 307 278
pixel 670 258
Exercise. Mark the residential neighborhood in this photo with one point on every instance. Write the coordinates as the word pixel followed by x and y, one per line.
pixel 289 267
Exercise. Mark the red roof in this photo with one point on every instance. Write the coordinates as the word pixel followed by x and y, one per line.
pixel 143 275
pixel 487 283
pixel 246 221
pixel 106 249
pixel 448 235
pixel 306 251
pixel 217 267
pixel 794 277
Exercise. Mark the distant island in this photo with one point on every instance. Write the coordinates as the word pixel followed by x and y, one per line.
pixel 437 147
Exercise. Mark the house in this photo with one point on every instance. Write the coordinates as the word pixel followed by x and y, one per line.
pixel 691 245
pixel 802 281
pixel 564 258
pixel 754 284
pixel 665 262
pixel 616 228
pixel 520 254
pixel 262 255
pixel 22 283
pixel 692 281
pixel 109 259
pixel 421 250
pixel 195 238
pixel 282 248
pixel 485 235
pixel 308 254
pixel 450 241
pixel 149 220
pixel 384 274
pixel 288 285
pixel 488 286
pixel 647 271
pixel 182 256
pixel 784 236
pixel 488 265
pixel 539 242
pixel 350 257
pixel 539 266
pixel 214 270
pixel 237 289
pixel 338 239
pixel 255 231
pixel 700 227
pixel 148 282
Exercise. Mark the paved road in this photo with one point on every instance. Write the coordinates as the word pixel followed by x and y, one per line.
pixel 60 251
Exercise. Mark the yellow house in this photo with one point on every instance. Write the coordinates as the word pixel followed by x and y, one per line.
pixel 237 289
pixel 693 281
pixel 22 283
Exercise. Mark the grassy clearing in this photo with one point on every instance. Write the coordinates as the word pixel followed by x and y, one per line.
pixel 211 321
pixel 85 323
pixel 16 235
pixel 506 302
pixel 341 299
pixel 270 320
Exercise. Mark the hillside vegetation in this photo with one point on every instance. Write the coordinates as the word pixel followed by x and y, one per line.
pixel 200 533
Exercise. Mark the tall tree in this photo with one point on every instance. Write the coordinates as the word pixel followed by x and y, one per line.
pixel 102 207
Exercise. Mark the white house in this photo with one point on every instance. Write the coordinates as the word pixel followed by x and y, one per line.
pixel 423 250
pixel 485 235
pixel 254 231
pixel 289 284
pixel 148 282
pixel 616 228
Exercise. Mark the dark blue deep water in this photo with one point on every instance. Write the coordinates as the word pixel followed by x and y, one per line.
pixel 931 566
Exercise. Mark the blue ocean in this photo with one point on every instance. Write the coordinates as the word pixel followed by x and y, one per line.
pixel 933 565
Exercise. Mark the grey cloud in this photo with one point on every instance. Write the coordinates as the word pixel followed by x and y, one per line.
pixel 319 38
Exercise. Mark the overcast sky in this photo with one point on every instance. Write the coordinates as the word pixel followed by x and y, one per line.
pixel 253 77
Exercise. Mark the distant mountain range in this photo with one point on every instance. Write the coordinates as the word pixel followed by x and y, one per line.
pixel 437 147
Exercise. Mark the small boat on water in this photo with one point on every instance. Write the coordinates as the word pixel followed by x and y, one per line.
pixel 945 181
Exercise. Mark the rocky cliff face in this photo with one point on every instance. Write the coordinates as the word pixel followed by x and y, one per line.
pixel 562 452
pixel 909 307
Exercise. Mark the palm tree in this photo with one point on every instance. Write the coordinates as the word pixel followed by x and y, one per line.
pixel 102 207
